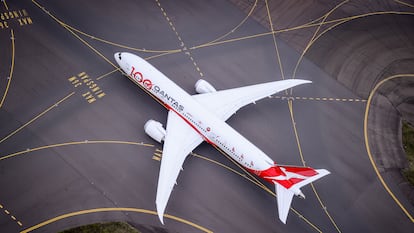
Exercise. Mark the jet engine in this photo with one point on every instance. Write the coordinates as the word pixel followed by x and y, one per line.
pixel 155 130
pixel 202 86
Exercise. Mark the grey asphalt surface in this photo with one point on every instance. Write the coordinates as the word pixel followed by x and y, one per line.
pixel 48 182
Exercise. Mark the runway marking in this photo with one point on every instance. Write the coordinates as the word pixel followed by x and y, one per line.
pixel 254 180
pixel 94 50
pixel 279 61
pixel 74 34
pixel 182 44
pixel 37 117
pixel 7 212
pixel 5 4
pixel 208 44
pixel 347 19
pixel 120 45
pixel 99 210
pixel 304 26
pixel 109 73
pixel 404 3
pixel 74 143
pixel 290 105
pixel 246 175
pixel 251 179
pixel 317 98
pixel 8 18
pixel 172 51
pixel 238 25
pixel 157 155
pixel 93 93
pixel 371 158
pixel 313 36
pixel 9 79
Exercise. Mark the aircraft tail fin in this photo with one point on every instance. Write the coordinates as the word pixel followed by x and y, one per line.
pixel 286 187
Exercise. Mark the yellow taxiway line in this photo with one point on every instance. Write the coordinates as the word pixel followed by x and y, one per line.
pixel 11 68
pixel 74 143
pixel 100 210
pixel 36 117
pixel 5 5
pixel 302 158
pixel 371 158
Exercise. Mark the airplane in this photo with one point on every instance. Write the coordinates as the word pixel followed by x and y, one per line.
pixel 193 119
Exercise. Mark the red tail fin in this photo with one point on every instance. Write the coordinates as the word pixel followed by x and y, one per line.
pixel 289 184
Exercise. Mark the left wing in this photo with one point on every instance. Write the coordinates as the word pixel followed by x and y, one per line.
pixel 225 103
pixel 179 141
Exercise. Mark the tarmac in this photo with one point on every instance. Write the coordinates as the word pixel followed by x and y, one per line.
pixel 72 146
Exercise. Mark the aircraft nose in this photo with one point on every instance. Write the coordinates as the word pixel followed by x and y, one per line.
pixel 118 56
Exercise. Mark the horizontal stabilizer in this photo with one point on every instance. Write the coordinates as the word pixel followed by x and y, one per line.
pixel 290 184
pixel 284 199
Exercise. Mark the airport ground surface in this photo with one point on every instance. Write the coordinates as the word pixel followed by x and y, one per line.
pixel 72 146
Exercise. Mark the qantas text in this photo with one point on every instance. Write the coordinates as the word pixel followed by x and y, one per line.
pixel 147 83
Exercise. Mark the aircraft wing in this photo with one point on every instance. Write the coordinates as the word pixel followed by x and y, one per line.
pixel 179 141
pixel 226 102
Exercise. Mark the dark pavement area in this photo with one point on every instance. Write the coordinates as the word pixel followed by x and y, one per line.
pixel 72 145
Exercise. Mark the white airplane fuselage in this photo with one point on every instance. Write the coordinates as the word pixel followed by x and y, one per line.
pixel 214 130
pixel 206 114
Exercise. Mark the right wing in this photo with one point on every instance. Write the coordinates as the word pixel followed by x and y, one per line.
pixel 179 141
pixel 226 102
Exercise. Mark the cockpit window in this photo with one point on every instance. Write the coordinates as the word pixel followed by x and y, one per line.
pixel 119 56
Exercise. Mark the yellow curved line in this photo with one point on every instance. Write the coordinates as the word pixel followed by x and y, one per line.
pixel 255 181
pixel 236 27
pixel 73 33
pixel 11 68
pixel 313 36
pixel 160 55
pixel 109 73
pixel 231 40
pixel 279 60
pixel 95 50
pixel 347 19
pixel 74 143
pixel 404 3
pixel 120 45
pixel 290 105
pixel 70 28
pixel 36 117
pixel 97 210
pixel 367 142
pixel 5 4
pixel 307 25
pixel 163 52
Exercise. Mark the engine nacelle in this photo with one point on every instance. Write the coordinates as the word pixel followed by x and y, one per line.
pixel 155 130
pixel 202 86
